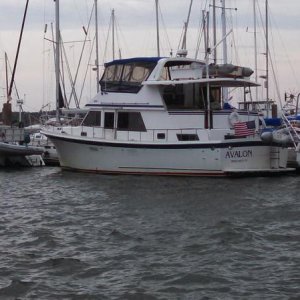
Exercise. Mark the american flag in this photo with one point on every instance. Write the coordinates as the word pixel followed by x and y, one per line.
pixel 244 128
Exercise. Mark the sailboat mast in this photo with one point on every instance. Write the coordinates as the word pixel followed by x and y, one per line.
pixel 113 32
pixel 267 56
pixel 57 56
pixel 255 44
pixel 225 59
pixel 224 32
pixel 6 75
pixel 214 30
pixel 97 45
pixel 17 55
pixel 157 28
pixel 186 24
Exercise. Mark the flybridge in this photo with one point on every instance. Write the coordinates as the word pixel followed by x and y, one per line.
pixel 127 75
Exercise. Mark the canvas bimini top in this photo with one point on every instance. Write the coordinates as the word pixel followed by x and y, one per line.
pixel 127 75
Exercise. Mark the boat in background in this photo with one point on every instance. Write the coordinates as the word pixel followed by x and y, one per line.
pixel 15 151
pixel 291 117
pixel 49 153
pixel 14 148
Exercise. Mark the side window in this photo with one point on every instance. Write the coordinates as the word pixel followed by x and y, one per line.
pixel 93 118
pixel 215 98
pixel 109 119
pixel 131 121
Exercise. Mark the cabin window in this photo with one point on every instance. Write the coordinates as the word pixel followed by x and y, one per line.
pixel 131 121
pixel 113 73
pixel 126 78
pixel 215 98
pixel 161 136
pixel 109 120
pixel 187 137
pixel 93 118
pixel 191 96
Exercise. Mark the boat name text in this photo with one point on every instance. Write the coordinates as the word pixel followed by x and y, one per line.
pixel 238 154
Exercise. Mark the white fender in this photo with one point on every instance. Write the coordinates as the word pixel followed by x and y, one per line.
pixel 267 136
pixel 281 136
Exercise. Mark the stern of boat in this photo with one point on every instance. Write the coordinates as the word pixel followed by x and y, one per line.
pixel 255 159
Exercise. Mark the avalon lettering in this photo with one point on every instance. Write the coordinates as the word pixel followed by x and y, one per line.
pixel 239 154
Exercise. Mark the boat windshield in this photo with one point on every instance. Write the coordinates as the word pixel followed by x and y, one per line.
pixel 125 78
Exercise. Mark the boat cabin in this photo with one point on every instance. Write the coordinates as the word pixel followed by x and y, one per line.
pixel 145 93
pixel 130 75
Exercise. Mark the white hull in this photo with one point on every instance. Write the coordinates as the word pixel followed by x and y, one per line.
pixel 193 159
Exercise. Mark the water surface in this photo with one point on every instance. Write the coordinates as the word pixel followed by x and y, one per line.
pixel 67 235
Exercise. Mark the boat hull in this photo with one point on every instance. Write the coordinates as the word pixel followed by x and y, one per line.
pixel 188 159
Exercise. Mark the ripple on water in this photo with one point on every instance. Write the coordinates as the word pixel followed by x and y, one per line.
pixel 68 235
pixel 16 288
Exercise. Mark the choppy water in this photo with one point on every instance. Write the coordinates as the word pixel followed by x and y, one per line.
pixel 76 236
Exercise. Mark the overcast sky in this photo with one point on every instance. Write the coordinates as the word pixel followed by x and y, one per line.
pixel 136 37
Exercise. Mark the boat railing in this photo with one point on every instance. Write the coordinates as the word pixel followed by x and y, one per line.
pixel 150 135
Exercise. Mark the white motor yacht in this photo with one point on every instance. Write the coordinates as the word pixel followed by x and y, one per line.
pixel 166 116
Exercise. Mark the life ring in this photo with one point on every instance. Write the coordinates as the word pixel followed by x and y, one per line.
pixel 233 118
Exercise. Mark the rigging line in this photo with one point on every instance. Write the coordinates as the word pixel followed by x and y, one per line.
pixel 185 28
pixel 122 35
pixel 181 38
pixel 70 77
pixel 117 36
pixel 107 38
pixel 15 85
pixel 44 63
pixel 271 62
pixel 53 45
pixel 274 69
pixel 81 55
pixel 164 26
pixel 17 54
pixel 62 76
pixel 201 29
pixel 276 82
pixel 62 72
pixel 87 69
pixel 235 49
pixel 200 35
pixel 283 45
pixel 81 12
pixel 234 42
